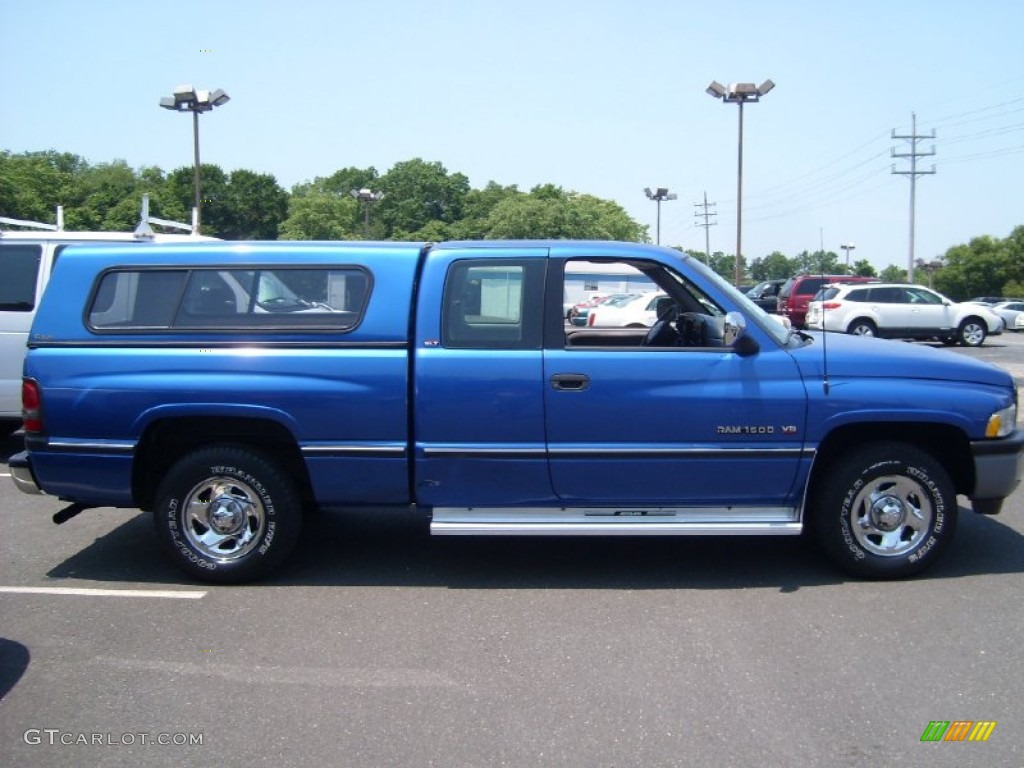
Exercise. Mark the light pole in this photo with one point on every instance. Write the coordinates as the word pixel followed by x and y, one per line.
pixel 367 198
pixel 188 99
pixel 659 195
pixel 847 247
pixel 739 93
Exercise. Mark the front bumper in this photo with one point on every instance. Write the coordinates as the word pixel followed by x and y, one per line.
pixel 998 466
pixel 22 475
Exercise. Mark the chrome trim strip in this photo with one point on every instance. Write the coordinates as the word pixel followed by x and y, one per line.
pixel 475 450
pixel 391 450
pixel 71 444
pixel 562 452
pixel 716 452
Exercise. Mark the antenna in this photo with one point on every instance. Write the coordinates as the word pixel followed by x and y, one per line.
pixel 824 329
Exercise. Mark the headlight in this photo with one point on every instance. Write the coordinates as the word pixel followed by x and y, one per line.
pixel 1001 423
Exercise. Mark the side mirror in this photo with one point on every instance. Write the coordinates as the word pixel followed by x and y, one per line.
pixel 735 335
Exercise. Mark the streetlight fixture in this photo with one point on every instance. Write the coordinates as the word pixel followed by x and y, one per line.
pixel 188 99
pixel 367 197
pixel 847 247
pixel 659 196
pixel 739 93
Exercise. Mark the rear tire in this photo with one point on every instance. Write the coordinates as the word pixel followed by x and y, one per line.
pixel 885 511
pixel 862 328
pixel 227 514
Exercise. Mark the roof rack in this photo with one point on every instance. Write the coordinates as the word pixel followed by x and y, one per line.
pixel 142 231
pixel 58 227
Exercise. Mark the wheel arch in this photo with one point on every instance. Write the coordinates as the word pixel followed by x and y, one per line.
pixel 167 440
pixel 867 319
pixel 947 444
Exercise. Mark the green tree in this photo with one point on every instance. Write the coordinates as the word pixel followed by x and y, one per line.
pixel 980 268
pixel 33 184
pixel 725 265
pixel 863 268
pixel 105 199
pixel 893 274
pixel 256 206
pixel 477 207
pixel 550 212
pixel 819 262
pixel 415 192
pixel 774 266
pixel 321 216
pixel 216 214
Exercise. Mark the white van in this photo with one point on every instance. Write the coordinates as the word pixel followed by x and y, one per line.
pixel 27 258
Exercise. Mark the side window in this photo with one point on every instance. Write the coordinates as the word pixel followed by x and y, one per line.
pixel 493 305
pixel 278 298
pixel 888 295
pixel 649 305
pixel 810 286
pixel 917 296
pixel 141 299
pixel 19 267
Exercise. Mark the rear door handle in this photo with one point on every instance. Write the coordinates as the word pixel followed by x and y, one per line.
pixel 570 382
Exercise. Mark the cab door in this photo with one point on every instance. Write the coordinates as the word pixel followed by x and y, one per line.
pixel 478 386
pixel 677 426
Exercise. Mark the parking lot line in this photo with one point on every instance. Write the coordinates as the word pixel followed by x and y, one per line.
pixel 85 592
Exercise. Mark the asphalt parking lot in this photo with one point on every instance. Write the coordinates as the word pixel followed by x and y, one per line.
pixel 381 646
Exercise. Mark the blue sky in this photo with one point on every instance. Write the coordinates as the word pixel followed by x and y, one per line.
pixel 596 96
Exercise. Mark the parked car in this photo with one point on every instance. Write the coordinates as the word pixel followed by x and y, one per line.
pixel 630 312
pixel 1012 313
pixel 798 290
pixel 579 314
pixel 766 294
pixel 571 309
pixel 896 310
pixel 993 299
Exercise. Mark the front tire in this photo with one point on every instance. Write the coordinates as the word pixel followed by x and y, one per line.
pixel 227 514
pixel 972 332
pixel 885 511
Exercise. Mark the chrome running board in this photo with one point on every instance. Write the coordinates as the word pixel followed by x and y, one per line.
pixel 616 521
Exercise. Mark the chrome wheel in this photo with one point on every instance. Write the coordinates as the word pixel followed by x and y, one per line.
pixel 891 515
pixel 862 328
pixel 223 518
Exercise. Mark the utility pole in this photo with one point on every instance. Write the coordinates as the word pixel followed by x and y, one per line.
pixel 913 173
pixel 707 223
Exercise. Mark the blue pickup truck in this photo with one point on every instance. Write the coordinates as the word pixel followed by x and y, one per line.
pixel 229 388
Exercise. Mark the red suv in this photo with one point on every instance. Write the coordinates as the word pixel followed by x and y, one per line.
pixel 794 295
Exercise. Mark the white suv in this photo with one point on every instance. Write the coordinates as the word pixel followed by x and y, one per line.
pixel 900 311
pixel 26 260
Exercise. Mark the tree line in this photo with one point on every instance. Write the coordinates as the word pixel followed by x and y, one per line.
pixel 418 200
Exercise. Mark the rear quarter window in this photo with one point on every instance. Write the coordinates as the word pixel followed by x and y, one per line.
pixel 19 275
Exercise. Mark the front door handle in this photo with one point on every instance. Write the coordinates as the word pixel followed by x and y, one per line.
pixel 570 382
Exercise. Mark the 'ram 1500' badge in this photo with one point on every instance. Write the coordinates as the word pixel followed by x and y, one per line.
pixel 746 429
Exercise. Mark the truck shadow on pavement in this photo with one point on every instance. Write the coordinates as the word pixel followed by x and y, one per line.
pixel 373 548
